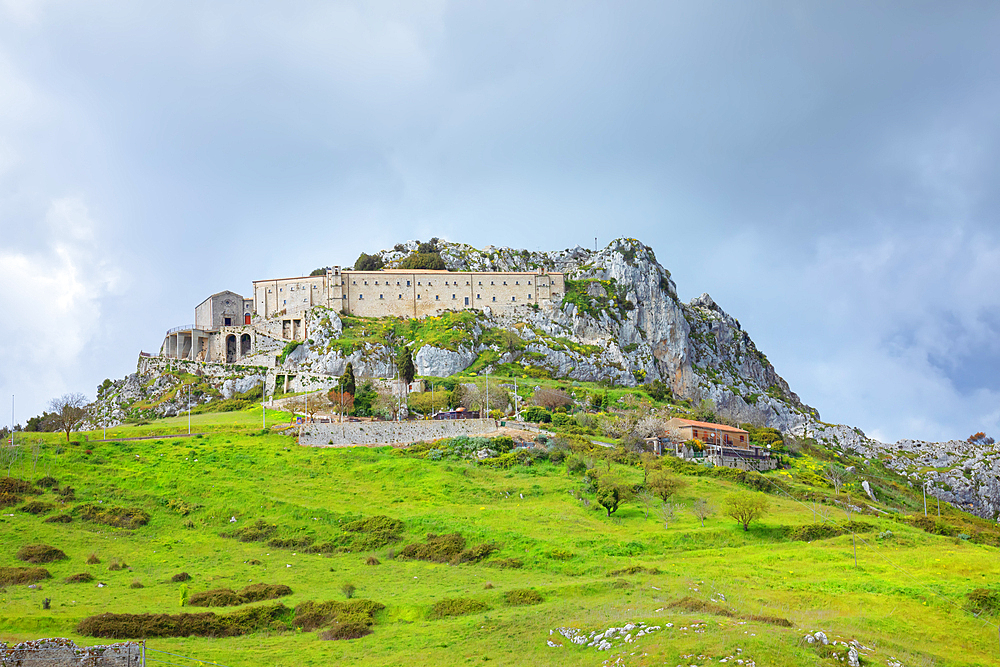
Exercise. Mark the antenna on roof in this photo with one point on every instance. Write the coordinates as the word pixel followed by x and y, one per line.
pixel 595 244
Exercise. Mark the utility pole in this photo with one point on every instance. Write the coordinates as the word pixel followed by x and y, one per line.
pixel 189 409
pixel 263 408
pixel 924 489
pixel 517 407
pixel 12 420
pixel 487 393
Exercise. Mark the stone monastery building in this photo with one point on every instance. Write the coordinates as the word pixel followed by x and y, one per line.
pixel 232 329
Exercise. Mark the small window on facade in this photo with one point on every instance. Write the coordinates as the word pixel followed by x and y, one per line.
pixel 529 297
pixel 452 296
pixel 418 282
pixel 376 282
pixel 494 298
pixel 361 296
pixel 407 283
pixel 505 282
pixel 355 282
pixel 418 296
pixel 380 296
pixel 437 298
pixel 284 302
pixel 479 296
pixel 491 282
pixel 480 283
pixel 467 283
pixel 400 296
pixel 366 282
pixel 513 298
pixel 529 282
pixel 517 282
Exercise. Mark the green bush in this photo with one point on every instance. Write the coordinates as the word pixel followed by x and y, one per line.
pixel 522 597
pixel 9 499
pixel 118 517
pixel 16 486
pixel 575 465
pixel 60 518
pixel 536 413
pixel 47 482
pixel 349 630
pixel 225 597
pixel 506 563
pixel 476 554
pixel 456 607
pixel 180 577
pixel 258 531
pixel 206 624
pixel 931 525
pixel 40 553
pixel 81 578
pixel 37 507
pixel 563 419
pixel 313 615
pixel 984 600
pixel 423 260
pixel 11 576
pixel 437 548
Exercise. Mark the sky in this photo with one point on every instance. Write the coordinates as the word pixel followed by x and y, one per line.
pixel 828 172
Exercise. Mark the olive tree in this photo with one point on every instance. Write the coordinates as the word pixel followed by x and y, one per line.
pixel 746 507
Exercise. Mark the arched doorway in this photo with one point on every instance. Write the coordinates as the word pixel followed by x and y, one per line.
pixel 244 345
pixel 230 349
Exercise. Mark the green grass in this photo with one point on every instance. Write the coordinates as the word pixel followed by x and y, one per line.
pixel 567 550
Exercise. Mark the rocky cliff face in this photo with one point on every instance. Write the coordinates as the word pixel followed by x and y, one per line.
pixel 620 320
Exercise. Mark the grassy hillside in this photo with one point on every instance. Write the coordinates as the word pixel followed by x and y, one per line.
pixel 590 571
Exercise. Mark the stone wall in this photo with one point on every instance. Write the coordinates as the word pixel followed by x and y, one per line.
pixel 61 652
pixel 390 433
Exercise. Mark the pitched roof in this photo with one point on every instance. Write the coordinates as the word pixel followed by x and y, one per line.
pixel 709 425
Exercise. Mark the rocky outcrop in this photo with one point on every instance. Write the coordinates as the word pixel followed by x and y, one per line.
pixel 437 362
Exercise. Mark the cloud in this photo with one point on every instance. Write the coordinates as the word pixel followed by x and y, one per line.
pixel 52 297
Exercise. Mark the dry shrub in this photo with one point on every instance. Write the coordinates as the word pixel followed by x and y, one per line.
pixel 299 543
pixel 620 583
pixel 37 507
pixel 634 569
pixel 60 518
pixel 9 499
pixel 348 590
pixel 136 584
pixel 205 624
pixel 983 600
pixel 40 553
pixel 522 597
pixel 115 566
pixel 47 482
pixel 506 563
pixel 350 630
pixel 81 578
pixel 313 615
pixel 226 597
pixel 182 576
pixel 92 559
pixel 118 517
pixel 371 560
pixel 22 575
pixel 258 592
pixel 16 486
pixel 689 603
pixel 456 607
pixel 437 548
pixel 488 585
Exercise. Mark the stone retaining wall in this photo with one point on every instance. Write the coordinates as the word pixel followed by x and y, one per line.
pixel 390 433
pixel 60 652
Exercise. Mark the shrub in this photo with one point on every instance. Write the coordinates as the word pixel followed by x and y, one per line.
pixel 373 532
pixel 60 518
pixel 10 576
pixel 219 597
pixel 456 607
pixel 575 465
pixel 634 569
pixel 522 597
pixel 506 563
pixel 476 554
pixel 984 600
pixel 258 592
pixel 300 543
pixel 560 554
pixel 47 482
pixel 182 576
pixel 536 413
pixel 40 553
pixel 9 499
pixel 313 615
pixel 258 531
pixel 349 630
pixel 348 590
pixel 81 578
pixel 37 507
pixel 118 517
pixel 930 525
pixel 116 566
pixel 15 486
pixel 205 624
pixel 620 583
pixel 92 559
pixel 371 560
pixel 437 548
pixel 136 584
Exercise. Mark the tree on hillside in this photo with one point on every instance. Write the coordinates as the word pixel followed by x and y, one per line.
pixel 423 261
pixel 318 272
pixel 67 412
pixel 647 500
pixel 550 399
pixel 702 509
pixel 368 263
pixel 836 476
pixel 705 412
pixel 980 439
pixel 347 382
pixel 746 507
pixel 407 371
pixel 664 485
pixel 668 512
pixel 612 492
pixel 341 403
